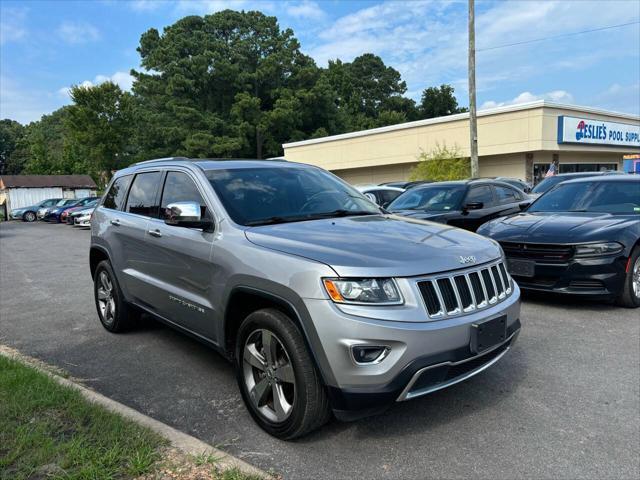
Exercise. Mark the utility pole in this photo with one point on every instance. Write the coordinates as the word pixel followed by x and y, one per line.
pixel 473 120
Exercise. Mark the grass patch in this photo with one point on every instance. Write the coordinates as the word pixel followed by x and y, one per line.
pixel 50 431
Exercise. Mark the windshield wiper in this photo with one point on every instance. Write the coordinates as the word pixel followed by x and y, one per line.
pixel 310 216
pixel 342 213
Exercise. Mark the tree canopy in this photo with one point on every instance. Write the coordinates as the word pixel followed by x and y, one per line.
pixel 230 84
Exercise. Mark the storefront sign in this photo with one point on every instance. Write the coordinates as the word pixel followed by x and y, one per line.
pixel 586 130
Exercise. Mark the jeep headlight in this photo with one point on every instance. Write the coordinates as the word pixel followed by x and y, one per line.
pixel 381 291
pixel 598 249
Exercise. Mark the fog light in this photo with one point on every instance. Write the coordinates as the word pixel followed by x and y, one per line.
pixel 369 354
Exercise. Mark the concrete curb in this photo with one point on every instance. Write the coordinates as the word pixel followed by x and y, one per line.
pixel 180 440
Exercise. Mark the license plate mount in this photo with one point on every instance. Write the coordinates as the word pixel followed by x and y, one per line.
pixel 521 268
pixel 487 334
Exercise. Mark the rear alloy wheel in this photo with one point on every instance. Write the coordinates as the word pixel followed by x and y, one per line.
pixel 277 377
pixel 115 314
pixel 630 296
pixel 29 217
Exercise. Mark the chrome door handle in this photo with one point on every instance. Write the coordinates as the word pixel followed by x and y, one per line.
pixel 155 233
pixel 115 222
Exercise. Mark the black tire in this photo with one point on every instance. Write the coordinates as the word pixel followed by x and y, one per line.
pixel 29 217
pixel 309 405
pixel 630 298
pixel 116 315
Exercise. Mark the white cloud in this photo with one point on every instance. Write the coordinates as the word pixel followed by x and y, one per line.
pixel 620 98
pixel 203 7
pixel 427 41
pixel 12 28
pixel 24 104
pixel 123 79
pixel 557 96
pixel 306 10
pixel 78 32
pixel 146 5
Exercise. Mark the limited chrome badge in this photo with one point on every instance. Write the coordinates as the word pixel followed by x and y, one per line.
pixel 468 259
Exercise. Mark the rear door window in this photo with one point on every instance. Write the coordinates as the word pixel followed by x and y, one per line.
pixel 506 195
pixel 482 194
pixel 143 195
pixel 114 198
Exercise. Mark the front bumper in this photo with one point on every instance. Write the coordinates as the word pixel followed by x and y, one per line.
pixel 16 215
pixel 438 347
pixel 596 277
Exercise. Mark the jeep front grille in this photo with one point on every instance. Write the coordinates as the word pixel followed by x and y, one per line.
pixel 465 291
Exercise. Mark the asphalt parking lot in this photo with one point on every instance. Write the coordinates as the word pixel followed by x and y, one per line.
pixel 565 403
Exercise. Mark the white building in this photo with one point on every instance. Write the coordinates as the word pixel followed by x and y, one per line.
pixel 17 191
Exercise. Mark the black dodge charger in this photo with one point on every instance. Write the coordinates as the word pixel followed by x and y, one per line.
pixel 582 237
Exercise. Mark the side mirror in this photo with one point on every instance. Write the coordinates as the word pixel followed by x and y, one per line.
pixel 524 205
pixel 474 206
pixel 185 214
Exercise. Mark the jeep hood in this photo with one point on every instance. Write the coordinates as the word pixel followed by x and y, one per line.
pixel 377 245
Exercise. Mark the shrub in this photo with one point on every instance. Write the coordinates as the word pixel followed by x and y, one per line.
pixel 441 163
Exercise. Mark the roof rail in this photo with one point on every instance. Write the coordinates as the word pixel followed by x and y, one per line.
pixel 166 159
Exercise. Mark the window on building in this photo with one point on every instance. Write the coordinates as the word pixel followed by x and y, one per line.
pixel 540 169
pixel 143 194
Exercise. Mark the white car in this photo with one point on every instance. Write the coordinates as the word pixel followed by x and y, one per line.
pixel 83 219
pixel 380 194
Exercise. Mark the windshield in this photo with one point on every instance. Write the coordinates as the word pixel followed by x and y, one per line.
pixel 596 196
pixel 548 183
pixel 435 198
pixel 264 195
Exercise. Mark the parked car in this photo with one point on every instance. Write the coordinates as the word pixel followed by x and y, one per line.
pixel 83 218
pixel 582 237
pixel 30 213
pixel 465 203
pixel 65 216
pixel 514 182
pixel 405 184
pixel 322 301
pixel 54 214
pixel 87 209
pixel 44 211
pixel 550 182
pixel 381 195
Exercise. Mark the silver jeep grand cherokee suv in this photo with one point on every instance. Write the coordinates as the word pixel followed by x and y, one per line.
pixel 324 302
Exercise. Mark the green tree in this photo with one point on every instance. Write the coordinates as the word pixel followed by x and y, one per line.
pixel 228 84
pixel 439 102
pixel 99 127
pixel 441 163
pixel 369 93
pixel 13 147
pixel 47 141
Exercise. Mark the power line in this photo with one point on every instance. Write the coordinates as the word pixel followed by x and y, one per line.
pixel 557 36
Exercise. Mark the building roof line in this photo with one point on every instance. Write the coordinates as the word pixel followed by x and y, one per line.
pixel 462 116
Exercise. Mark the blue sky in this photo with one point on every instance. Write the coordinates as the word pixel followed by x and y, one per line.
pixel 46 46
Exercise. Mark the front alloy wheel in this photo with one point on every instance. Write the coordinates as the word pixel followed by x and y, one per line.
pixel 630 295
pixel 635 277
pixel 268 375
pixel 29 217
pixel 277 376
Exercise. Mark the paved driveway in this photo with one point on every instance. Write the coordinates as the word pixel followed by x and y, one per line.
pixel 564 404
